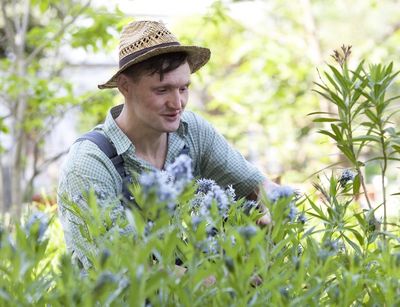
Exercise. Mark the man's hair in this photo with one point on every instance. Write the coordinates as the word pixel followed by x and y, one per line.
pixel 160 64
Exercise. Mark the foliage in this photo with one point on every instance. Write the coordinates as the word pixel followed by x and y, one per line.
pixel 362 126
pixel 328 255
pixel 322 249
pixel 252 74
pixel 256 90
pixel 36 94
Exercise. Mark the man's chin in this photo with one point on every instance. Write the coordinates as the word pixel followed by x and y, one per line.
pixel 172 126
pixel 171 129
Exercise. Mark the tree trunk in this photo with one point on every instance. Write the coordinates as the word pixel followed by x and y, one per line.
pixel 18 149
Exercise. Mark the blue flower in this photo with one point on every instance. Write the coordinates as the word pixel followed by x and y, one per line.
pixel 211 246
pixel 37 225
pixel 221 199
pixel 292 212
pixel 152 180
pixel 181 169
pixel 231 193
pixel 330 248
pixel 168 185
pixel 346 176
pixel 161 184
pixel 167 193
pixel 207 192
pixel 196 221
pixel 204 185
pixel 302 218
pixel 280 192
pixel 248 231
pixel 249 205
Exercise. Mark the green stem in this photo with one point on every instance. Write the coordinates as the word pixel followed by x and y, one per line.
pixel 351 147
pixel 384 168
pixel 362 181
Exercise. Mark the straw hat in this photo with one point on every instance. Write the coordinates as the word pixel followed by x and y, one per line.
pixel 141 40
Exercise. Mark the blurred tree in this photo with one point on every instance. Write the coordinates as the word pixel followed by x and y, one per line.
pixel 257 88
pixel 34 34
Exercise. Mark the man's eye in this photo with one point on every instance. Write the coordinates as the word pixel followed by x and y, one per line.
pixel 184 88
pixel 161 90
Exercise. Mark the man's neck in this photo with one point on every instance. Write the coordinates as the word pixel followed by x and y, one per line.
pixel 149 145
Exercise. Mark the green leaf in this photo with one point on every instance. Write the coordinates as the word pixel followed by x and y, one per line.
pixel 353 245
pixel 333 82
pixel 325 132
pixel 325 120
pixel 318 113
pixel 320 214
pixel 372 116
pixel 366 138
pixel 348 153
pixel 338 76
pixel 358 236
pixel 337 131
pixel 396 148
pixel 356 73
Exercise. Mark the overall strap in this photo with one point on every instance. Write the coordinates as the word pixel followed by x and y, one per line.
pixel 109 150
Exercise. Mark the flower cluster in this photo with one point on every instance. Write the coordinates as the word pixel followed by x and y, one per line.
pixel 207 193
pixel 331 247
pixel 181 170
pixel 169 184
pixel 280 192
pixel 37 225
pixel 346 176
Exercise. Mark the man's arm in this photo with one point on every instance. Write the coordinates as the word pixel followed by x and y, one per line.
pixel 216 159
pixel 86 169
pixel 255 195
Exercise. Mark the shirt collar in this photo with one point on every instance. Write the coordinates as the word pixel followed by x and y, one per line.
pixel 116 135
pixel 119 138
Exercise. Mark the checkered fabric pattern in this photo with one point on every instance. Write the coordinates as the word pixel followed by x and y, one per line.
pixel 87 167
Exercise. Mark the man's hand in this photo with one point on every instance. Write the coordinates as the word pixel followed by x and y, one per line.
pixel 268 186
pixel 266 219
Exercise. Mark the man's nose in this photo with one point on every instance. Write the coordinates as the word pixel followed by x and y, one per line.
pixel 175 99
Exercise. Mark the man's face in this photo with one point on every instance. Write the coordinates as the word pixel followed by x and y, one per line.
pixel 157 105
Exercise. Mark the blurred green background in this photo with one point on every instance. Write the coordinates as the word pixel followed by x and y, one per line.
pixel 256 89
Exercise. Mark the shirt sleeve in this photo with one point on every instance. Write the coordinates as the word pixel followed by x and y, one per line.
pixel 219 161
pixel 86 169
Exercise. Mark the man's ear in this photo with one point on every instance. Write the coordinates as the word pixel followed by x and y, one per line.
pixel 123 83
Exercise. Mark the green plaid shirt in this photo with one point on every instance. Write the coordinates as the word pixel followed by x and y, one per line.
pixel 87 167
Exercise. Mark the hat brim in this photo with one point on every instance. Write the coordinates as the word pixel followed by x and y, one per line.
pixel 197 57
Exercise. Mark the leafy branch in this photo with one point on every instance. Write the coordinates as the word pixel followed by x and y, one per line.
pixel 363 116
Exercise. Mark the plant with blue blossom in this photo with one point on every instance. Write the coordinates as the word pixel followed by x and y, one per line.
pixel 302 218
pixel 169 184
pixel 37 225
pixel 347 176
pixel 285 192
pixel 208 192
pixel 204 185
pixel 248 231
pixel 280 192
pixel 181 171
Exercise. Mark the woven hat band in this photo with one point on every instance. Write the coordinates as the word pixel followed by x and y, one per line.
pixel 138 53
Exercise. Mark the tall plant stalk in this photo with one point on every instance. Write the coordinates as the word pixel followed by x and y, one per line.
pixel 362 118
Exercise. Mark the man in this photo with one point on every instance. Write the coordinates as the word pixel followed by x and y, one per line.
pixel 151 128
